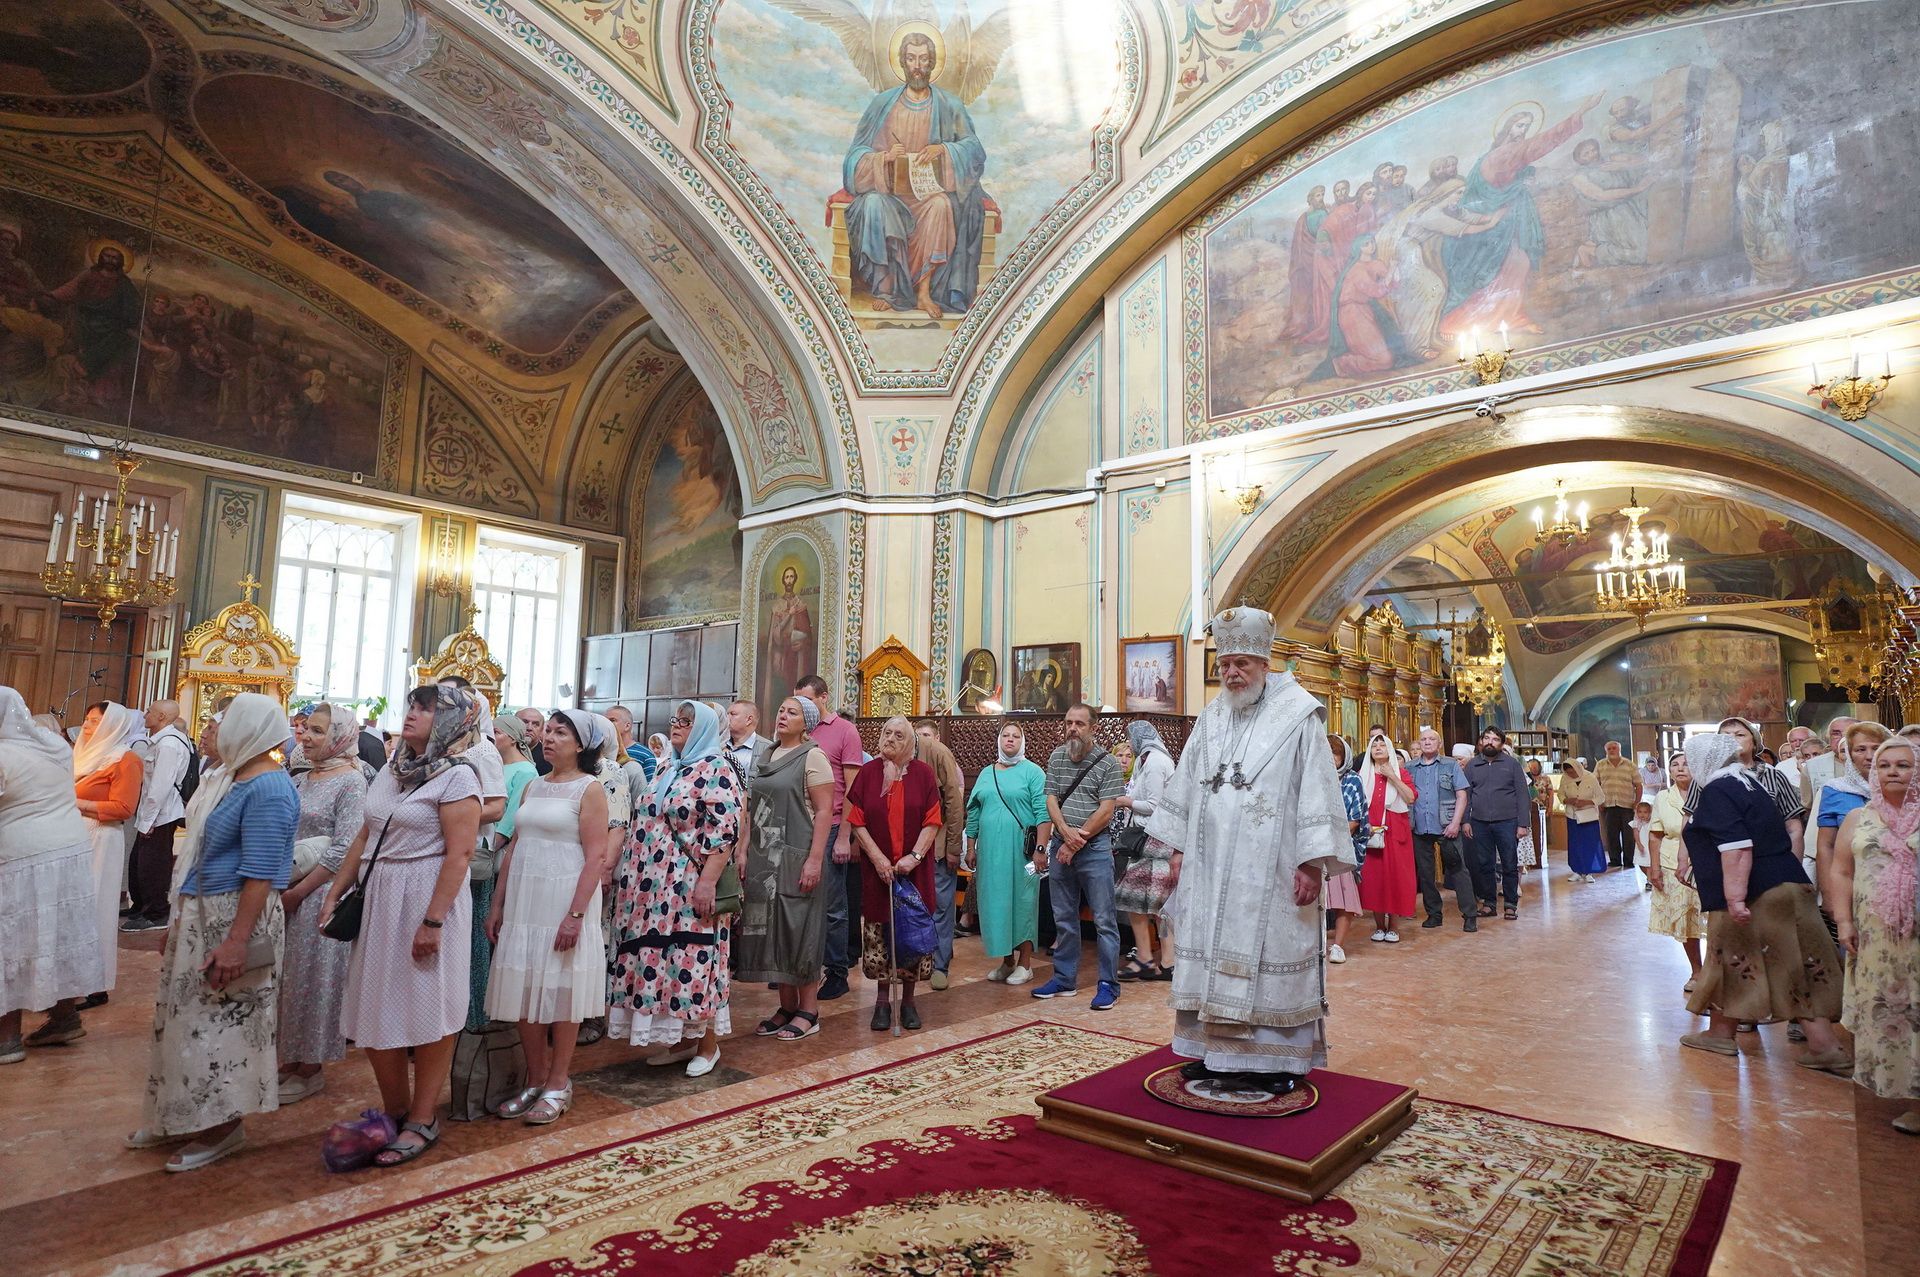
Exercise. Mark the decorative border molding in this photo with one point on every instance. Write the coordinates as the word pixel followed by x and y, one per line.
pixel 716 145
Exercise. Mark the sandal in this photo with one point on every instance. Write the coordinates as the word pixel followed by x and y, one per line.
pixel 1486 911
pixel 1510 914
pixel 1138 970
pixel 398 1154
pixel 791 1030
pixel 590 1031
pixel 517 1103
pixel 771 1026
pixel 550 1107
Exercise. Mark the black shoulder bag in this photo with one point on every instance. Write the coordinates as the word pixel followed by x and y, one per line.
pixel 344 925
pixel 1030 834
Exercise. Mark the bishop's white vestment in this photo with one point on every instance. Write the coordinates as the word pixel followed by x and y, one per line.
pixel 1255 797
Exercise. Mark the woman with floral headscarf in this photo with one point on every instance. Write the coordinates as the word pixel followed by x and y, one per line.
pixel 333 798
pixel 669 986
pixel 1872 895
pixel 49 936
pixel 407 981
pixel 1768 953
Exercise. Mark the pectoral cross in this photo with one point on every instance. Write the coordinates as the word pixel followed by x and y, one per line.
pixel 1239 780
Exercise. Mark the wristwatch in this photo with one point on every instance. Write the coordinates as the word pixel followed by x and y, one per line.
pixel 429 922
pixel 575 913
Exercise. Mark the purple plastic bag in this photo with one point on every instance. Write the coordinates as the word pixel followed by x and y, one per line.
pixel 351 1145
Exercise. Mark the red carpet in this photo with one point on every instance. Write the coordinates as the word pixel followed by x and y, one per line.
pixel 933 1166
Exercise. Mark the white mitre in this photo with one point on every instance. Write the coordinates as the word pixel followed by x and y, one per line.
pixel 1243 631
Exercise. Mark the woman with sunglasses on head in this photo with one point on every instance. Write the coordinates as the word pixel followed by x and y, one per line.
pixel 549 970
pixel 670 982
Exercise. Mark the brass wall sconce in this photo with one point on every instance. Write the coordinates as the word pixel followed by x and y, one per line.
pixel 443 577
pixel 1487 365
pixel 1851 397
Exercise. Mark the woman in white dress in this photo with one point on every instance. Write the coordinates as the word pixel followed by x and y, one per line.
pixel 549 958
pixel 107 775
pixel 49 936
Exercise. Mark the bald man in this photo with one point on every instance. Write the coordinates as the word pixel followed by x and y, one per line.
pixel 158 818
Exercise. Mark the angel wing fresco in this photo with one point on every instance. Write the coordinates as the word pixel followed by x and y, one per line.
pixel 967 55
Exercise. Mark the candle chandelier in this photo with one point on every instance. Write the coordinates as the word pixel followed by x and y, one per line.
pixel 113 555
pixel 1569 522
pixel 1478 653
pixel 1639 577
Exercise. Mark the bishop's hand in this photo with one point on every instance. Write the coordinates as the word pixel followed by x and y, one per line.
pixel 1306 885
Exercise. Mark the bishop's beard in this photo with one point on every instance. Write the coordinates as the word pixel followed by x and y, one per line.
pixel 1246 697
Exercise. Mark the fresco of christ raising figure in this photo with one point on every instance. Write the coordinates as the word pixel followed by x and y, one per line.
pixel 918 217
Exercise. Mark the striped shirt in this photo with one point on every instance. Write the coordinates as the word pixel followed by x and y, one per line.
pixel 1778 788
pixel 1103 782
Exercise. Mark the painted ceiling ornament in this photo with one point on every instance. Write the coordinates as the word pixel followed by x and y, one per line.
pixel 965 57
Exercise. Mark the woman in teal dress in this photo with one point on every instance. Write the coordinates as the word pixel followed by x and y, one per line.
pixel 1008 799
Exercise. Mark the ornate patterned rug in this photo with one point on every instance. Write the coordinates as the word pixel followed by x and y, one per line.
pixel 933 1166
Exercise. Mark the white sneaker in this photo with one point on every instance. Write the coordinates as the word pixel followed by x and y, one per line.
pixel 1020 975
pixel 701 1065
pixel 1392 937
pixel 677 1055
pixel 1336 954
pixel 1378 936
pixel 999 974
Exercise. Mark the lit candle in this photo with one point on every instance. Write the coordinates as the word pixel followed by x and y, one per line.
pixel 173 554
pixel 1599 583
pixel 1583 516
pixel 1539 519
pixel 1477 347
pixel 1463 348
pixel 1504 343
pixel 1813 372
pixel 73 535
pixel 133 551
pixel 1856 359
pixel 53 542
pixel 1616 544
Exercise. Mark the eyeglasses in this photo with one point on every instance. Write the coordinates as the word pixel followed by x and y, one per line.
pixel 679 722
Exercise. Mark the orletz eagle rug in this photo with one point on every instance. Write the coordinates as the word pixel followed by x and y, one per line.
pixel 932 1166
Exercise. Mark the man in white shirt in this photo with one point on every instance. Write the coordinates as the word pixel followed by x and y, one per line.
pixel 1798 749
pixel 158 818
pixel 743 718
pixel 639 775
pixel 1821 768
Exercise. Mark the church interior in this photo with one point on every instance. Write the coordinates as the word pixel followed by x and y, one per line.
pixel 1540 367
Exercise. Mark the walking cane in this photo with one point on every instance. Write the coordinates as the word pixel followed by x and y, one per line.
pixel 893 959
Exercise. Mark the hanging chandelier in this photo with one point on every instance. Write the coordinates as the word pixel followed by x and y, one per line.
pixel 1639 578
pixel 1479 655
pixel 1569 522
pixel 132 563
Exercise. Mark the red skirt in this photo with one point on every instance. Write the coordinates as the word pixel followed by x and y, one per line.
pixel 1387 883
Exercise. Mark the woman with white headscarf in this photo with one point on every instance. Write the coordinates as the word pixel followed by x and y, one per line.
pixel 669 985
pixel 107 775
pixel 215 1016
pixel 49 935
pixel 1388 885
pixel 407 981
pixel 1768 953
pixel 333 799
pixel 1142 891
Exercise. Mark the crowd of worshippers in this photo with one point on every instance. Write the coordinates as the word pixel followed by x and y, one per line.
pixel 541 881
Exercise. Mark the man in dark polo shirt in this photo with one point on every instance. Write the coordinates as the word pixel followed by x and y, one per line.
pixel 1496 804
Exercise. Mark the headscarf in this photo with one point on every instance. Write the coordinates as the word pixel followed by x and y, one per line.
pixel 1711 755
pixel 1017 756
pixel 21 728
pixel 665 750
pixel 514 730
pixel 590 729
pixel 112 737
pixel 52 724
pixel 250 726
pixel 605 733
pixel 1346 753
pixel 809 711
pixel 1893 893
pixel 1395 803
pixel 891 771
pixel 343 735
pixel 1144 736
pixel 455 714
pixel 704 740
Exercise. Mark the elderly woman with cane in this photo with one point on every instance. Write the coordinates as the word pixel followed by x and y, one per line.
pixel 894 808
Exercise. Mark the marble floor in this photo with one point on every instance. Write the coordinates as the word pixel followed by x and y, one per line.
pixel 1570 1014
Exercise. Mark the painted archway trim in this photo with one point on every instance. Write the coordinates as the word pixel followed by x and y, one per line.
pixel 1600 648
pixel 1308 559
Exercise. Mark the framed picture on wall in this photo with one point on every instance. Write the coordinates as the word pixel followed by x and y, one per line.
pixel 1210 666
pixel 1046 677
pixel 1150 675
